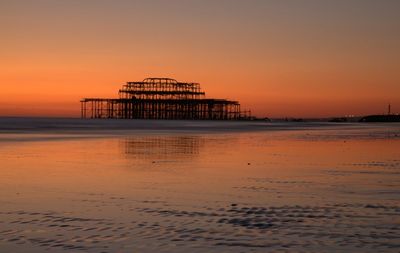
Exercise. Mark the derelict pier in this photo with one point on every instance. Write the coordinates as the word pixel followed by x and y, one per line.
pixel 162 98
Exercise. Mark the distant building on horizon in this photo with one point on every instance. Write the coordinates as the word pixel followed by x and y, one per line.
pixel 162 98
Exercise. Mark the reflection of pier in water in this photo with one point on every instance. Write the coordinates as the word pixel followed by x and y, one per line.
pixel 163 147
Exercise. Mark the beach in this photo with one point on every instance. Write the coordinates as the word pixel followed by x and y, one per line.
pixel 71 185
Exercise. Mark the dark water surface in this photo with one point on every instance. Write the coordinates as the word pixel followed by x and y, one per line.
pixel 329 188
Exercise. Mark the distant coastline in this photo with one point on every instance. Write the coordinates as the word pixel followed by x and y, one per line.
pixel 381 118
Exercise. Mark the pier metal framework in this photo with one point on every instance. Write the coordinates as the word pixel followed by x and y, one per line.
pixel 162 98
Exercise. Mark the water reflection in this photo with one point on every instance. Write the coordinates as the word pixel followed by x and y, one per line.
pixel 300 191
pixel 163 147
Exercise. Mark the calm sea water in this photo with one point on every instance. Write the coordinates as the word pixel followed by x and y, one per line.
pixel 332 188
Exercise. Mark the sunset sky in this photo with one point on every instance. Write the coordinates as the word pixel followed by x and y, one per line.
pixel 296 58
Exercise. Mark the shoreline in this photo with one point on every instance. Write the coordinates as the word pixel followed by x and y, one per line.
pixel 110 126
pixel 41 129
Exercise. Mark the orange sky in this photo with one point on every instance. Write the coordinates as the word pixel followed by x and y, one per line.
pixel 278 58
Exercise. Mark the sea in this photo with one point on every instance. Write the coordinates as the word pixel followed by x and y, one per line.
pixel 107 186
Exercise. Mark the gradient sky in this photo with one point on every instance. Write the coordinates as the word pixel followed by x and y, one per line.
pixel 278 58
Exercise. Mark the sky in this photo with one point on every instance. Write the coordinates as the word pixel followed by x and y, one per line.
pixel 279 58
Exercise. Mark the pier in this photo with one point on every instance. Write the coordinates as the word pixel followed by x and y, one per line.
pixel 162 98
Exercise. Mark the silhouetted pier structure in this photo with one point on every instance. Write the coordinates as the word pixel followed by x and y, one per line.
pixel 162 98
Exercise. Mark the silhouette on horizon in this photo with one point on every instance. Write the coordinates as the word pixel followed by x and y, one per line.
pixel 162 98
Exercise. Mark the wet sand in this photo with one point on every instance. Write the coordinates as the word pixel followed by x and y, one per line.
pixel 323 188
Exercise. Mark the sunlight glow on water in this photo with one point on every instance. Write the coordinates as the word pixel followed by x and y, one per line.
pixel 295 191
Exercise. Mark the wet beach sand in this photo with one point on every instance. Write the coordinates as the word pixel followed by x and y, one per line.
pixel 170 186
